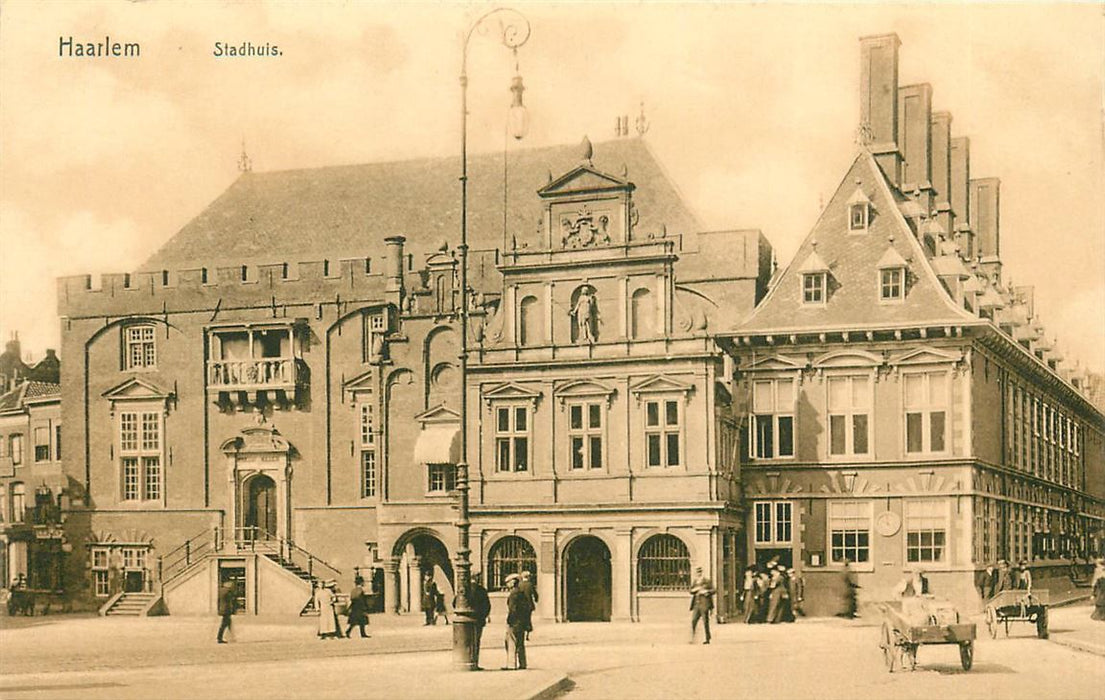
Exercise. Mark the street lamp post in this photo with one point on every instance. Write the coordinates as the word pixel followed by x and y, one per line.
pixel 514 31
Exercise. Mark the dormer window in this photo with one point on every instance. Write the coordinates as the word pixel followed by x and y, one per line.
pixel 892 284
pixel 859 212
pixel 813 288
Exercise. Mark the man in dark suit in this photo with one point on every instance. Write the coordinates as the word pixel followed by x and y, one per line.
pixel 518 621
pixel 228 601
pixel 984 582
pixel 702 602
pixel 481 611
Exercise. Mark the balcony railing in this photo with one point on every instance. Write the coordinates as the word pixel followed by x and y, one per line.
pixel 265 373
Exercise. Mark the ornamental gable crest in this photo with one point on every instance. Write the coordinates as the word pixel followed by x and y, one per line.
pixel 584 228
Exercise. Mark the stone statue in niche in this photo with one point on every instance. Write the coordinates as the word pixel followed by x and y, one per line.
pixel 585 315
pixel 585 229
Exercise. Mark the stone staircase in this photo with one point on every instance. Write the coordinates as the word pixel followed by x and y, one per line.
pixel 131 604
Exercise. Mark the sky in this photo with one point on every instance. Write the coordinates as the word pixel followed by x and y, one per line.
pixel 752 110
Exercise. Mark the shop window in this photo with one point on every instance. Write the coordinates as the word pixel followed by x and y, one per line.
pixel 663 436
pixel 774 522
pixel 512 439
pixel 585 432
pixel 773 418
pixel 849 413
pixel 850 531
pixel 926 412
pixel 510 555
pixel 664 564
pixel 926 524
pixel 140 349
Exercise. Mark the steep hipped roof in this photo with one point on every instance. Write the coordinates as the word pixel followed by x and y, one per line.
pixel 852 260
pixel 347 211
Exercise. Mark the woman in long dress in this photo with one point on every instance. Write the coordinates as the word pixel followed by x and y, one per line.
pixel 1098 591
pixel 327 616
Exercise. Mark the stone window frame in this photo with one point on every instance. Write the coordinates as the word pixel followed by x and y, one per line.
pixel 140 337
pixel 832 518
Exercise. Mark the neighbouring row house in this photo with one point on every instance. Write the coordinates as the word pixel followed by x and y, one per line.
pixel 905 407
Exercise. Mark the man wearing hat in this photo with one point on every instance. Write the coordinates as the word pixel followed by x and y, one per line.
pixel 518 620
pixel 702 602
pixel 228 601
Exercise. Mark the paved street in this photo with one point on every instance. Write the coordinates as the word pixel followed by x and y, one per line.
pixel 825 658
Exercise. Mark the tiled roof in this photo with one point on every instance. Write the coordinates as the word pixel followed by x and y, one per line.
pixel 853 260
pixel 347 211
pixel 17 398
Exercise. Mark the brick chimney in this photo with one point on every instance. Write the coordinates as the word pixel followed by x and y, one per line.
pixel 961 195
pixel 942 173
pixel 879 100
pixel 984 222
pixel 393 269
pixel 915 140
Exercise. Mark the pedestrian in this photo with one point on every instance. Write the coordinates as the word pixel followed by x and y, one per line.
pixel 702 602
pixel 777 596
pixel 746 589
pixel 327 614
pixel 1004 580
pixel 763 591
pixel 518 619
pixel 429 599
pixel 526 586
pixel 848 591
pixel 797 592
pixel 1024 581
pixel 1098 587
pixel 439 608
pixel 358 609
pixel 984 582
pixel 480 604
pixel 228 602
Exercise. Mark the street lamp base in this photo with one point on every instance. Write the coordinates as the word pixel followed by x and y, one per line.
pixel 465 651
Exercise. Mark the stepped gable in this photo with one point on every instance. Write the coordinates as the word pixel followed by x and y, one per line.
pixel 348 211
pixel 852 261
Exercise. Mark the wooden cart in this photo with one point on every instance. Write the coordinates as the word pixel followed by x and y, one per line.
pixel 901 638
pixel 1017 606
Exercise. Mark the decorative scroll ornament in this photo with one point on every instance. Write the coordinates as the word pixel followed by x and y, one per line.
pixel 585 229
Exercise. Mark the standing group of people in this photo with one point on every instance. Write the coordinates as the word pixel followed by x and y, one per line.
pixel 432 601
pixel 1003 576
pixel 329 606
pixel 771 593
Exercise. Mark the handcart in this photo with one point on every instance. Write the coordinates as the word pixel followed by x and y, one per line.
pixel 903 634
pixel 1018 606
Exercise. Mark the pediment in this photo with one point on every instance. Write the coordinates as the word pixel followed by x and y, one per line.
pixel 584 178
pixel 438 414
pixel 926 356
pixel 775 363
pixel 258 439
pixel 660 384
pixel 135 389
pixel 363 382
pixel 848 358
pixel 440 259
pixel 511 391
pixel 584 388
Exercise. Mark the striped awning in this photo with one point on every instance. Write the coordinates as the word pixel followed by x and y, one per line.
pixel 438 444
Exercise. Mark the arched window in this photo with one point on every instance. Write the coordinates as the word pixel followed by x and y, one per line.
pixel 510 555
pixel 664 564
pixel 642 319
pixel 529 322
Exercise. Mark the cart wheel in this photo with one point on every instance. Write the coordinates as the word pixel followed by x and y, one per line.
pixel 1041 623
pixel 967 655
pixel 909 657
pixel 889 651
pixel 991 622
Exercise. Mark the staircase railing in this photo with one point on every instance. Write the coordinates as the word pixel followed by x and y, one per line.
pixel 177 561
pixel 285 552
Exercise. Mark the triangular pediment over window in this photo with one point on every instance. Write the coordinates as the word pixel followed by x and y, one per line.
pixel 437 415
pixel 775 363
pixel 511 391
pixel 135 389
pixel 658 383
pixel 363 383
pixel 584 178
pixel 926 356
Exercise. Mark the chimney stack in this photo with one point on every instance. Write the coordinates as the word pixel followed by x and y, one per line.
pixel 942 174
pixel 960 195
pixel 915 139
pixel 879 101
pixel 984 205
pixel 394 269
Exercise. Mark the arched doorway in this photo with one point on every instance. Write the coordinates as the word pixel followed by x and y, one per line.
pixel 421 553
pixel 261 507
pixel 587 580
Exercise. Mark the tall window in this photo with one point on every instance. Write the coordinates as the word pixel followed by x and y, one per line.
pixel 664 564
pixel 774 524
pixel 140 349
pixel 3 505
pixel 813 288
pixel 368 450
pixel 140 455
pixel 773 419
pixel 57 443
pixel 16 442
pixel 441 478
pixel 585 435
pixel 510 555
pixel 850 531
pixel 642 314
pixel 892 284
pixel 511 439
pixel 926 523
pixel 101 583
pixel 529 321
pixel 42 444
pixel 849 410
pixel 926 411
pixel 19 501
pixel 662 433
